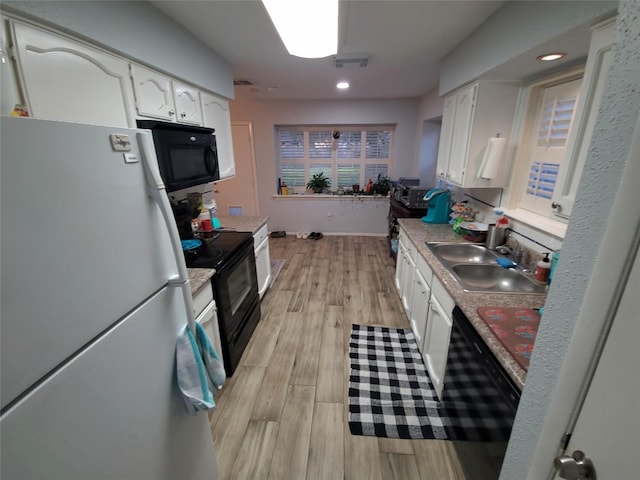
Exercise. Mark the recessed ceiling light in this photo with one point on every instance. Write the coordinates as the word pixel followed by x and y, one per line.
pixel 342 85
pixel 550 57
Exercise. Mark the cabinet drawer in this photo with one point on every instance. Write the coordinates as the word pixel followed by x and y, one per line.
pixel 443 296
pixel 202 298
pixel 259 236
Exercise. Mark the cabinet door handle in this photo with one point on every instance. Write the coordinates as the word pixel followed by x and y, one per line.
pixel 171 113
pixel 182 115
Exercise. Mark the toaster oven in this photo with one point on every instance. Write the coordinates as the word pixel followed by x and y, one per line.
pixel 412 196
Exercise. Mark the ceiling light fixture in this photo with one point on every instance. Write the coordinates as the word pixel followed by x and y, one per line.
pixel 309 28
pixel 342 85
pixel 551 57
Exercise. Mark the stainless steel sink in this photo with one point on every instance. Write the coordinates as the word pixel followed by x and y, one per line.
pixel 475 269
pixel 462 253
pixel 494 278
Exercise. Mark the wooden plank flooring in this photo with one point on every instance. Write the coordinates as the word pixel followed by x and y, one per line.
pixel 284 415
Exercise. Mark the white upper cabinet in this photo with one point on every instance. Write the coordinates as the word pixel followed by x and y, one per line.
pixel 154 95
pixel 598 61
pixel 216 115
pixel 158 96
pixel 68 81
pixel 187 104
pixel 471 116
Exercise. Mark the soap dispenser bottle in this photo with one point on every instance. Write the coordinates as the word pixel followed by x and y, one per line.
pixel 543 267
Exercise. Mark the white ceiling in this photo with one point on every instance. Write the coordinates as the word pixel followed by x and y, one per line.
pixel 406 41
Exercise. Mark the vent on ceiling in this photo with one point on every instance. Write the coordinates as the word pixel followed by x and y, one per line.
pixel 242 83
pixel 352 60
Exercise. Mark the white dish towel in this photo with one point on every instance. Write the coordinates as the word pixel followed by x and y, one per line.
pixel 200 372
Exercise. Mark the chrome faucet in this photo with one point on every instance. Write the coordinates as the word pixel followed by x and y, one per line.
pixel 515 256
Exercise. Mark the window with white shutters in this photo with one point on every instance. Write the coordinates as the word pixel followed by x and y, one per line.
pixel 553 123
pixel 358 154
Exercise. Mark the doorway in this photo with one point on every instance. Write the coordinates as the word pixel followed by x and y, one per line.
pixel 238 196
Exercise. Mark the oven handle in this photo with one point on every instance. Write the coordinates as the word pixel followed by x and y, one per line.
pixel 157 191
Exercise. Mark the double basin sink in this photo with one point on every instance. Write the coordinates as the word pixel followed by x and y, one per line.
pixel 474 267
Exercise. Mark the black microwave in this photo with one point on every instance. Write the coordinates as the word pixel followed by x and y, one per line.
pixel 187 155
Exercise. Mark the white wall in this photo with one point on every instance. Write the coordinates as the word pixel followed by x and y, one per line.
pixel 137 30
pixel 608 154
pixel 294 215
pixel 512 30
pixel 428 137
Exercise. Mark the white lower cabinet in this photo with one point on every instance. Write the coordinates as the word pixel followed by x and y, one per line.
pixel 206 313
pixel 263 260
pixel 419 307
pixel 408 276
pixel 428 306
pixel 436 341
pixel 413 279
pixel 406 270
pixel 400 264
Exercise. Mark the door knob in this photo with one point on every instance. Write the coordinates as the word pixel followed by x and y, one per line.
pixel 555 205
pixel 575 467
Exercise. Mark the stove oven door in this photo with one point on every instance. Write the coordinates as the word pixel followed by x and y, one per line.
pixel 236 293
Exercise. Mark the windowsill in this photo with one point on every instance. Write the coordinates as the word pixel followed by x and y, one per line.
pixel 328 196
pixel 547 225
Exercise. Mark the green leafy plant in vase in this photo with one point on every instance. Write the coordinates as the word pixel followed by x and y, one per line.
pixel 319 183
pixel 382 185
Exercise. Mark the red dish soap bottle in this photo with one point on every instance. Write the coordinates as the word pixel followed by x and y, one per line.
pixel 543 267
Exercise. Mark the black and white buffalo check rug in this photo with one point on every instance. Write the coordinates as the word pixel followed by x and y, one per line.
pixel 391 395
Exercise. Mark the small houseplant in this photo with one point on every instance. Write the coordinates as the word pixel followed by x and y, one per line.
pixel 319 183
pixel 382 185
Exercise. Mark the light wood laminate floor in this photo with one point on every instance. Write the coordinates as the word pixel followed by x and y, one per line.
pixel 283 415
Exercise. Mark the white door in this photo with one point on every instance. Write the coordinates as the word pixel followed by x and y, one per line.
pixel 67 81
pixel 241 190
pixel 608 427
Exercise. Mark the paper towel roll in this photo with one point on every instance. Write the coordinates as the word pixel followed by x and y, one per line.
pixel 493 159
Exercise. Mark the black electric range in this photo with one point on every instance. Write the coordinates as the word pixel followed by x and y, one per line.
pixel 235 288
pixel 217 248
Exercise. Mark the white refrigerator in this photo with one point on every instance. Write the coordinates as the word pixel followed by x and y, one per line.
pixel 94 295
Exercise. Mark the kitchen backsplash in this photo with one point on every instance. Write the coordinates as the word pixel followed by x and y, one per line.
pixel 484 201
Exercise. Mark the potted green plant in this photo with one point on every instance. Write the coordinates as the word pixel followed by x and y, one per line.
pixel 319 183
pixel 382 185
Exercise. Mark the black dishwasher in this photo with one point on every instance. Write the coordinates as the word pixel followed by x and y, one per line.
pixel 477 387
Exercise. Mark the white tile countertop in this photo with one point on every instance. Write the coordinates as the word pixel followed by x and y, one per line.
pixel 418 233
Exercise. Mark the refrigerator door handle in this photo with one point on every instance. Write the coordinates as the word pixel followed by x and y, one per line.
pixel 157 191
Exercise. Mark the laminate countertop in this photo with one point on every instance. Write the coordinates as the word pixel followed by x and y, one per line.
pixel 243 224
pixel 418 233
pixel 199 276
